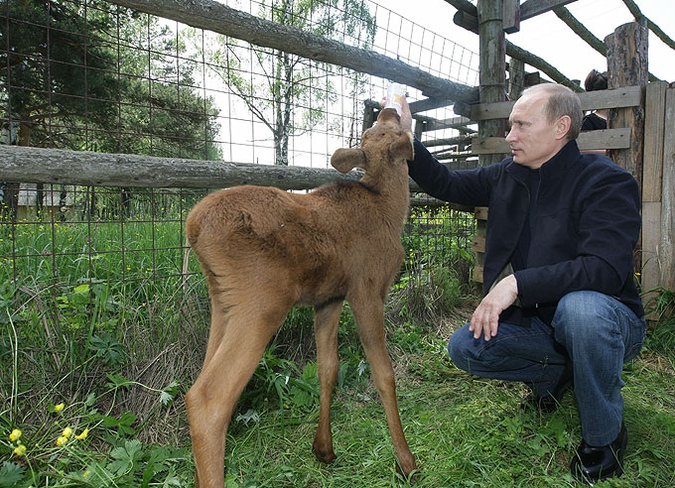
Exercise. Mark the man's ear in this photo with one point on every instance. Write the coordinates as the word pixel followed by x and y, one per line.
pixel 563 126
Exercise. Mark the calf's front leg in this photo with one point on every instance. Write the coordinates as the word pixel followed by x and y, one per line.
pixel 369 315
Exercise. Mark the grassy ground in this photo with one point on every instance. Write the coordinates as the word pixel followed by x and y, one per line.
pixel 114 339
pixel 464 432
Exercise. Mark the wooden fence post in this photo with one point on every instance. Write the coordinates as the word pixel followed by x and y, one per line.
pixel 627 66
pixel 666 252
pixel 492 89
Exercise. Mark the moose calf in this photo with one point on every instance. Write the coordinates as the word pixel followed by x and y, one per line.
pixel 264 251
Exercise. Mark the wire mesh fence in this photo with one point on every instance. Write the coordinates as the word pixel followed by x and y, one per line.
pixel 97 265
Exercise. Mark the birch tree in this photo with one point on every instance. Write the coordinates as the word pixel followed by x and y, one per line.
pixel 284 91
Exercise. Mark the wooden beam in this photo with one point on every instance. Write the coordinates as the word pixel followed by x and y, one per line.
pixel 627 96
pixel 217 17
pixel 453 123
pixel 58 166
pixel 62 167
pixel 492 71
pixel 605 139
pixel 532 8
pixel 511 16
pixel 624 96
pixel 428 104
pixel 464 6
pixel 597 139
pixel 467 15
pixel 450 141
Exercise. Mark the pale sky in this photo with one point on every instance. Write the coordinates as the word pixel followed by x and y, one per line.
pixel 551 39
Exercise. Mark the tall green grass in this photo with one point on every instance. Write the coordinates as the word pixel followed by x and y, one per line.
pixel 97 316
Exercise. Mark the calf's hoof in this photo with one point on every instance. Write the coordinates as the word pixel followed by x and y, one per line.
pixel 408 470
pixel 326 457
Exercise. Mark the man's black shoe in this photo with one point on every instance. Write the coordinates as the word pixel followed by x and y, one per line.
pixel 593 464
pixel 549 403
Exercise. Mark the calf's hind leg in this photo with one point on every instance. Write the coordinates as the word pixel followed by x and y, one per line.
pixel 326 321
pixel 213 397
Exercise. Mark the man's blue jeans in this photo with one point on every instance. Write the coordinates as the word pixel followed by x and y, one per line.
pixel 593 331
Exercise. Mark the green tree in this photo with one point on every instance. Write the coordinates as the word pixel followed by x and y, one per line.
pixel 78 76
pixel 56 72
pixel 52 76
pixel 162 113
pixel 284 91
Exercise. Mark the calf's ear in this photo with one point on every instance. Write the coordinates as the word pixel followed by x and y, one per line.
pixel 403 147
pixel 346 159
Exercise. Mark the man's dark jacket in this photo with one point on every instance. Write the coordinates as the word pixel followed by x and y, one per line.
pixel 583 222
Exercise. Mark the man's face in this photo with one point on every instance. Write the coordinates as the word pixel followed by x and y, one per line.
pixel 533 139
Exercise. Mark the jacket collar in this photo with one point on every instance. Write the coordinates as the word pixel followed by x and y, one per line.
pixel 551 170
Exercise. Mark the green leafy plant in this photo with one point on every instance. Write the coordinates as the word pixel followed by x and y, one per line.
pixel 70 450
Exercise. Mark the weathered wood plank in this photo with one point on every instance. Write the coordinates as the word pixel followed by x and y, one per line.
pixel 481 213
pixel 628 96
pixel 655 126
pixel 667 246
pixel 605 139
pixel 478 243
pixel 650 276
pixel 625 96
pixel 652 172
pixel 431 124
pixel 597 139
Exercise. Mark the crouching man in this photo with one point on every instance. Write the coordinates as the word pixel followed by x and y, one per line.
pixel 561 308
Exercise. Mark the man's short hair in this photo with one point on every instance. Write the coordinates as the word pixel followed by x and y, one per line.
pixel 561 101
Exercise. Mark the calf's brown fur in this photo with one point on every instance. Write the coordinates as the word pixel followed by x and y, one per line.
pixel 264 250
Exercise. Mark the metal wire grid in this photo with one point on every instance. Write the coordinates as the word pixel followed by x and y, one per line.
pixel 136 235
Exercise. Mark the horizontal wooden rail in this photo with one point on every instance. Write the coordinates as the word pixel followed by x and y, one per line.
pixel 58 166
pixel 629 96
pixel 62 167
pixel 597 139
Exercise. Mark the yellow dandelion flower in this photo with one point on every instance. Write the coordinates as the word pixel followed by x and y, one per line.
pixel 86 474
pixel 59 407
pixel 20 450
pixel 67 432
pixel 82 435
pixel 61 441
pixel 14 436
